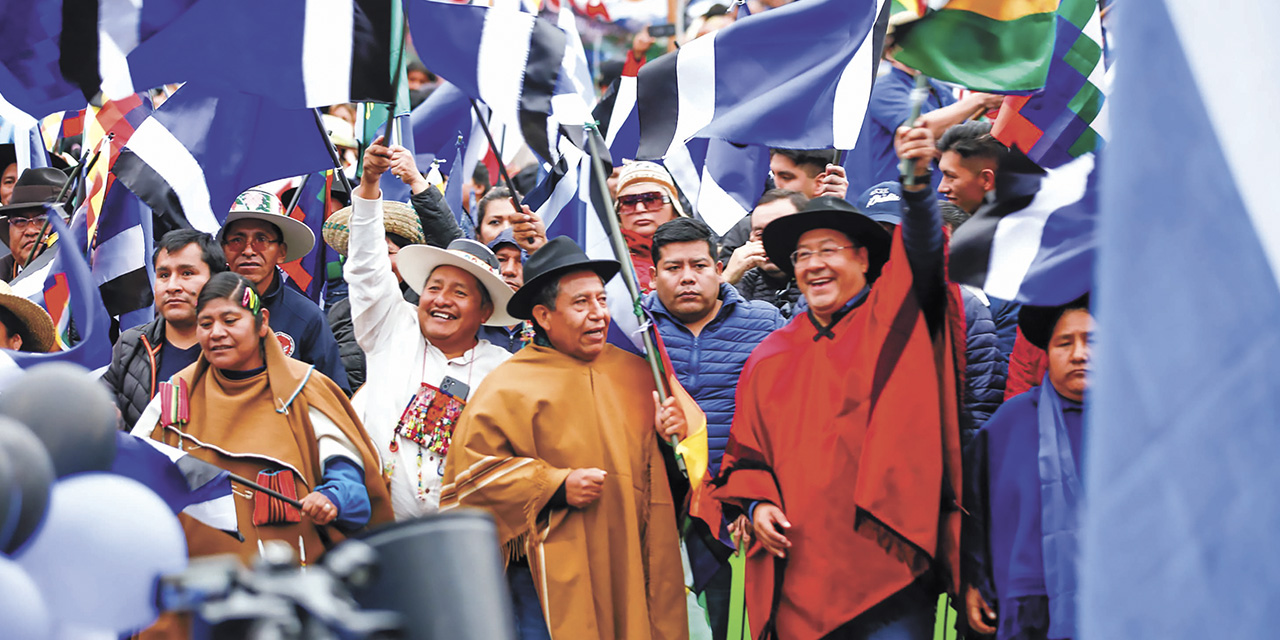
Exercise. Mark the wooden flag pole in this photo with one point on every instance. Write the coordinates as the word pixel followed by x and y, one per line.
pixel 628 273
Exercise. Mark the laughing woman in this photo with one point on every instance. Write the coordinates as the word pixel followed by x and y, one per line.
pixel 246 407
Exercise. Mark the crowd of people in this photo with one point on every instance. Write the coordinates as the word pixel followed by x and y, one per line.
pixel 876 434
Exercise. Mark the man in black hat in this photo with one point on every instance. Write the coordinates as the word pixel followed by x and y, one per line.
pixel 22 220
pixel 561 445
pixel 836 451
pixel 1024 490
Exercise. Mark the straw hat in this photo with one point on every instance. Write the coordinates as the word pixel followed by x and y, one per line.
pixel 398 218
pixel 37 332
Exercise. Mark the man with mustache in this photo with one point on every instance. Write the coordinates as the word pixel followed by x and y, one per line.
pixel 149 354
pixel 1024 490
pixel 709 330
pixel 562 446
pixel 257 237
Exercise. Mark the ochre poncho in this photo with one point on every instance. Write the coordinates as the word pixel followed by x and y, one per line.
pixel 611 570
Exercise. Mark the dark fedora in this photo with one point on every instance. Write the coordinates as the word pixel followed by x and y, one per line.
pixel 34 189
pixel 1037 323
pixel 556 258
pixel 827 212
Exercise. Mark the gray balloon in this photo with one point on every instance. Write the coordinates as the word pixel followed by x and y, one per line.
pixel 10 500
pixel 33 476
pixel 71 412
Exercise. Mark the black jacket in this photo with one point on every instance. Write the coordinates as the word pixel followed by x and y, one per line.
pixel 781 293
pixel 132 373
pixel 344 331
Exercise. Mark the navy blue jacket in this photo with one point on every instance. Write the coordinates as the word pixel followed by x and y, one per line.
pixel 303 331
pixel 985 367
pixel 708 365
pixel 1005 313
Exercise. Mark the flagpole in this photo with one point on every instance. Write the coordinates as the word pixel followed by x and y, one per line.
pixel 325 540
pixel 628 273
pixel 66 187
pixel 918 95
pixel 297 195
pixel 502 167
pixel 333 152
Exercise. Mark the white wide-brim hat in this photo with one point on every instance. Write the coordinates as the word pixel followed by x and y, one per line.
pixel 416 262
pixel 256 204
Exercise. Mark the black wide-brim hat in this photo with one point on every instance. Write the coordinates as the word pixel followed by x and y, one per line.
pixel 556 258
pixel 1037 323
pixel 827 212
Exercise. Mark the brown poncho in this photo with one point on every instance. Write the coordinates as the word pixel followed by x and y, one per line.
pixel 611 570
pixel 262 423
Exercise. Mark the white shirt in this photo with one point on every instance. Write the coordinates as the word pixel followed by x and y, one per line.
pixel 398 360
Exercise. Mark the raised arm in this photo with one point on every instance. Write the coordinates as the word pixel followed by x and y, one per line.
pixel 922 222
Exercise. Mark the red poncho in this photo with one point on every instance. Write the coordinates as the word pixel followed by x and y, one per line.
pixel 856 439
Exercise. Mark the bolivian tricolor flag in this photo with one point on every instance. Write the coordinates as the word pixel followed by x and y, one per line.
pixel 999 46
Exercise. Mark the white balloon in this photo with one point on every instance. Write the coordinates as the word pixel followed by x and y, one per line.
pixel 104 543
pixel 23 615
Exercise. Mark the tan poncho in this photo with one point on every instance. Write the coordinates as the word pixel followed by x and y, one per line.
pixel 611 570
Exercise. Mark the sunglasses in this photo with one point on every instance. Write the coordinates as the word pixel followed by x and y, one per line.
pixel 651 200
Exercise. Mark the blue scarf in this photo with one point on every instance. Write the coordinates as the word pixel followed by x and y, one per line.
pixel 1061 495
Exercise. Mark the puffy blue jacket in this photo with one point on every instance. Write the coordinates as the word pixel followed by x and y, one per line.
pixel 986 367
pixel 1005 313
pixel 708 365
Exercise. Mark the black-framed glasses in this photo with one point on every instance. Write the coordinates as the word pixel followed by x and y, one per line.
pixel 651 200
pixel 826 253
pixel 259 242
pixel 21 222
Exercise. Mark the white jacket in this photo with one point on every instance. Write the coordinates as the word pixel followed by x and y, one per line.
pixel 398 360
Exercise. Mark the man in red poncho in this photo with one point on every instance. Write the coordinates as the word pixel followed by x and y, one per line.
pixel 844 448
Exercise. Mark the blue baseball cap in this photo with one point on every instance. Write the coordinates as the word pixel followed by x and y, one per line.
pixel 882 203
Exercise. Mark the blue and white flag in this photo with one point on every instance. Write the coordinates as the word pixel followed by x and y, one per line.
pixel 1035 244
pixel 56 54
pixel 722 180
pixel 437 122
pixel 510 60
pixel 798 77
pixel 187 484
pixel 190 159
pixel 1179 535
pixel 298 53
pixel 565 202
pixel 121 255
pixel 65 277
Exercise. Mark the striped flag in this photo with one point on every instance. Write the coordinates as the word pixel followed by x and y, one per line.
pixel 1035 243
pixel 65 281
pixel 57 54
pixel 1178 539
pixel 984 45
pixel 1067 118
pixel 510 60
pixel 190 159
pixel 721 179
pixel 187 484
pixel 798 76
pixel 437 122
pixel 298 53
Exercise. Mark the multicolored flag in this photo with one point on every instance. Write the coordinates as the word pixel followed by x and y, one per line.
pixel 309 272
pixel 985 45
pixel 1067 118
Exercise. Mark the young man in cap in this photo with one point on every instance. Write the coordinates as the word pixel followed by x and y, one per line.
pixel 845 443
pixel 511 260
pixel 1024 490
pixel 149 354
pixel 425 356
pixel 24 325
pixel 709 330
pixel 257 238
pixel 571 466
pixel 22 220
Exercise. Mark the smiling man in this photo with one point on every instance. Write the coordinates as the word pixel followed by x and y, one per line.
pixel 836 452
pixel 1024 490
pixel 424 356
pixel 257 238
pixel 561 445
pixel 149 354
